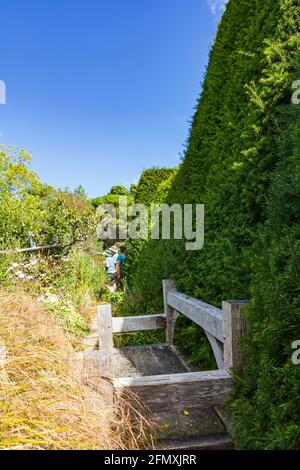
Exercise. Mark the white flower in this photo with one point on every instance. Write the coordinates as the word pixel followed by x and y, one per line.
pixel 20 275
pixel 52 299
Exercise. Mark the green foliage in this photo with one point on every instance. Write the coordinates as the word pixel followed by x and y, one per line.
pixel 80 192
pixel 70 289
pixel 65 312
pixel 66 285
pixel 267 394
pixel 120 190
pixel 17 200
pixel 150 180
pixel 265 409
pixel 242 162
pixel 110 198
pixel 27 207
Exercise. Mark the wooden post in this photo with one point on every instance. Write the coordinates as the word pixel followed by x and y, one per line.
pixel 102 364
pixel 105 329
pixel 234 329
pixel 171 314
pixel 97 373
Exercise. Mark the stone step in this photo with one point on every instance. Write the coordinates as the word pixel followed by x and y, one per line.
pixel 194 429
pixel 209 442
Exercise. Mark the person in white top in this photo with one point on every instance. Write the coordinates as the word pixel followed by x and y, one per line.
pixel 113 250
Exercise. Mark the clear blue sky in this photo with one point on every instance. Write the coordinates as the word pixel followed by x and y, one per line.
pixel 98 90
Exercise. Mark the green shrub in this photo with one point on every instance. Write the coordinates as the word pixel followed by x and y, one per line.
pixel 150 180
pixel 27 207
pixel 241 161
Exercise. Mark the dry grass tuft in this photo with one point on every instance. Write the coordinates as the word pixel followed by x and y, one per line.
pixel 87 306
pixel 43 405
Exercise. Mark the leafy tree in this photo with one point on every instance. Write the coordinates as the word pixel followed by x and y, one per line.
pixel 29 207
pixel 80 192
pixel 119 190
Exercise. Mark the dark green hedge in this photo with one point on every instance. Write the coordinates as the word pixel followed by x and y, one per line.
pixel 242 162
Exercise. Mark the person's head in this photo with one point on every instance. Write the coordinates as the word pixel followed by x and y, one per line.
pixel 113 249
pixel 123 249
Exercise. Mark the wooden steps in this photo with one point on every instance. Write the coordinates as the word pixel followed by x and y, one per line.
pixel 161 380
pixel 189 389
pixel 150 360
pixel 183 404
pixel 180 402
pixel 183 429
pixel 210 442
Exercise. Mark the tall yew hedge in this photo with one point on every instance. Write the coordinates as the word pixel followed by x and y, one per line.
pixel 243 162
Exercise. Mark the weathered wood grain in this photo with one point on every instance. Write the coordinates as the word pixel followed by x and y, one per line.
pixel 138 323
pixel 187 390
pixel 145 360
pixel 94 369
pixel 210 442
pixel 234 328
pixel 218 349
pixel 171 314
pixel 105 329
pixel 98 365
pixel 210 318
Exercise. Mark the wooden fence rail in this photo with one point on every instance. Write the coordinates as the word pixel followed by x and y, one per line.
pixel 211 319
pixel 138 323
pixel 33 248
pixel 30 250
pixel 223 328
